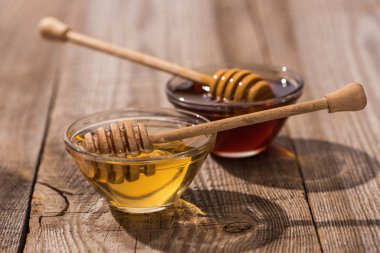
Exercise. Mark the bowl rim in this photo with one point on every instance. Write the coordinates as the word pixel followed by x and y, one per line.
pixel 147 160
pixel 259 67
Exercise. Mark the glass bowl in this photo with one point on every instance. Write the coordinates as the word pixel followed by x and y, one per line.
pixel 243 141
pixel 149 182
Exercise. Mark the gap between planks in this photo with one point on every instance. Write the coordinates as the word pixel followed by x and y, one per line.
pixel 51 106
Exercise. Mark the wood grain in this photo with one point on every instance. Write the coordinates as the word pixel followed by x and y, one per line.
pixel 222 211
pixel 338 159
pixel 316 189
pixel 27 80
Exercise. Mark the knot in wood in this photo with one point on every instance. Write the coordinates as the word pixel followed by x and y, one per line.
pixel 237 227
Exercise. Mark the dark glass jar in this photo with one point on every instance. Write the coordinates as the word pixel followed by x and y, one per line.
pixel 244 141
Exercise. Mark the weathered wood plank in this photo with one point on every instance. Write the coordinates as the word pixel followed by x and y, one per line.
pixel 27 73
pixel 334 42
pixel 225 209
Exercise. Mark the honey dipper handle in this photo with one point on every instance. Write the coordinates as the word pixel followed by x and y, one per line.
pixel 349 98
pixel 52 28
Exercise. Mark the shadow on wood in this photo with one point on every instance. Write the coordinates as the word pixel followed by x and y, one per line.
pixel 325 166
pixel 218 220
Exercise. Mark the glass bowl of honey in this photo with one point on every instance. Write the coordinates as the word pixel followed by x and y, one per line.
pixel 244 141
pixel 147 182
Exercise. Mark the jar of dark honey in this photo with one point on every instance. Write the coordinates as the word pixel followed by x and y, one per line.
pixel 244 141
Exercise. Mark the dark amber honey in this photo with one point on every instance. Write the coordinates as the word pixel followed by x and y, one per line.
pixel 243 141
pixel 247 139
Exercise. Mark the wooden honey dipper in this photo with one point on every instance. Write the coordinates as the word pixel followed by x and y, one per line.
pixel 224 85
pixel 132 137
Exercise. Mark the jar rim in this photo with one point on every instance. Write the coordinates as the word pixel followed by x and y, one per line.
pixel 67 137
pixel 233 105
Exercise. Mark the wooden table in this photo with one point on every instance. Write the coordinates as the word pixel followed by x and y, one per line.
pixel 316 189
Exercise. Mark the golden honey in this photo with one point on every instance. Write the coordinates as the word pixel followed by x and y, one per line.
pixel 148 182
